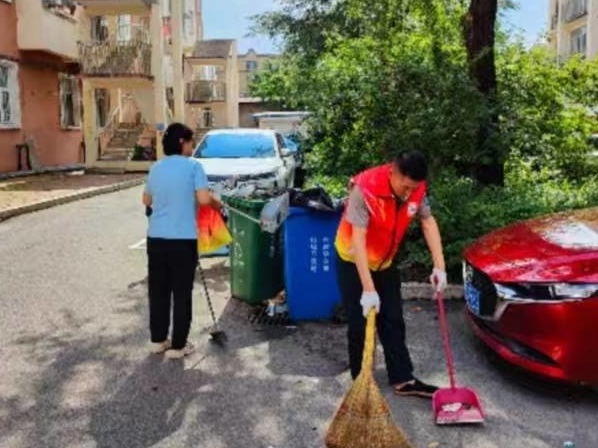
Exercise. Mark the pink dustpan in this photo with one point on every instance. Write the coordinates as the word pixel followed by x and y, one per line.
pixel 454 405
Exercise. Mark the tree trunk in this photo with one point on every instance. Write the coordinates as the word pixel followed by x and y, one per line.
pixel 479 30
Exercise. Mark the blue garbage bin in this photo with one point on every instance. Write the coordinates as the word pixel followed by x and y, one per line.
pixel 310 263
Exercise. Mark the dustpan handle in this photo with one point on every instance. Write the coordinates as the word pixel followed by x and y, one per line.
pixel 369 348
pixel 445 338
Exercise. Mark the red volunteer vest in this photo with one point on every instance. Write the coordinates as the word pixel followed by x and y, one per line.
pixel 388 222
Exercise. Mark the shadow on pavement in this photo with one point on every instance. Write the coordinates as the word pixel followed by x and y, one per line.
pixel 148 406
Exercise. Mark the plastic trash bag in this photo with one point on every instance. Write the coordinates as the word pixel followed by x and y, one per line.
pixel 364 419
pixel 313 198
pixel 213 233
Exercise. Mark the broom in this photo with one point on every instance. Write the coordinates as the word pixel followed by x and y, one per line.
pixel 364 419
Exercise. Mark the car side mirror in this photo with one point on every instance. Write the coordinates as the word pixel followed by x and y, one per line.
pixel 286 152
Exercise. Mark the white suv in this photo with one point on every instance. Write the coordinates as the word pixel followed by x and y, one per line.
pixel 247 156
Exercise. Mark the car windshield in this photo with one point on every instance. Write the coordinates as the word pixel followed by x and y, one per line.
pixel 234 146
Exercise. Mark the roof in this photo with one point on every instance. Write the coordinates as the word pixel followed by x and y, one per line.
pixel 297 114
pixel 212 49
pixel 259 55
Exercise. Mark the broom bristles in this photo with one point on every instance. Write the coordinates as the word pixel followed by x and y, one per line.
pixel 364 420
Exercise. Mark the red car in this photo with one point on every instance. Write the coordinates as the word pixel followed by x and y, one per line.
pixel 532 294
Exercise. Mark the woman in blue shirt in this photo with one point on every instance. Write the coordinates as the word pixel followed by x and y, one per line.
pixel 175 186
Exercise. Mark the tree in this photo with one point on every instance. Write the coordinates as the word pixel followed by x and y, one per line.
pixel 479 26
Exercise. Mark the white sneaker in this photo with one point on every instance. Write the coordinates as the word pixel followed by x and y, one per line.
pixel 179 354
pixel 160 347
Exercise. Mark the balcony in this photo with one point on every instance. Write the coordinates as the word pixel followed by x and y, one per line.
pixel 575 9
pixel 116 7
pixel 205 92
pixel 59 20
pixel 116 59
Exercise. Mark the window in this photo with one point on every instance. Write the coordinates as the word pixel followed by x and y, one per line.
pixel 204 73
pixel 99 29
pixel 579 41
pixel 10 113
pixel 166 8
pixel 124 28
pixel 188 19
pixel 207 118
pixel 251 66
pixel 70 109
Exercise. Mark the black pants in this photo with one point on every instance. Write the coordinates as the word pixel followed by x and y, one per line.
pixel 390 322
pixel 171 272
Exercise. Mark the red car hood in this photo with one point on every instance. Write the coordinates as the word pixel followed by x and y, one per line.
pixel 561 248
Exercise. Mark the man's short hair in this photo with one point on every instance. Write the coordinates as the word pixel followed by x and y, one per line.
pixel 175 133
pixel 412 164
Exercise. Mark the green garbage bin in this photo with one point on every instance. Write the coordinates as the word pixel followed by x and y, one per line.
pixel 255 255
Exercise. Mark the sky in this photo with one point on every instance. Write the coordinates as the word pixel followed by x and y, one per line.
pixel 230 19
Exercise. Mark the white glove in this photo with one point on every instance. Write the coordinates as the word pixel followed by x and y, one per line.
pixel 438 280
pixel 368 301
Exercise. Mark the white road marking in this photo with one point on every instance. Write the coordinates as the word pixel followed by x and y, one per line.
pixel 138 246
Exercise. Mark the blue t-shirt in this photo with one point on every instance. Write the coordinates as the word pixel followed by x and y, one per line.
pixel 172 183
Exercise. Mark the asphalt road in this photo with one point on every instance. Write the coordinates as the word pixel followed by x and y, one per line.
pixel 75 372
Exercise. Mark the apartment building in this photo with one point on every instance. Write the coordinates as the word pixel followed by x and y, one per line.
pixel 249 64
pixel 211 86
pixel 40 92
pixel 573 27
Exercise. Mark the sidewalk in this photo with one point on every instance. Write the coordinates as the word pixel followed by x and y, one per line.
pixel 33 193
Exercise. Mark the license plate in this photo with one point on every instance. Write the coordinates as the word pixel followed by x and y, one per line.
pixel 472 298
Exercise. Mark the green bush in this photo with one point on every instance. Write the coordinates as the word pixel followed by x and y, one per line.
pixel 465 211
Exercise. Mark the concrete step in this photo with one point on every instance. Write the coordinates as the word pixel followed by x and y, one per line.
pixel 120 143
pixel 119 154
pixel 129 126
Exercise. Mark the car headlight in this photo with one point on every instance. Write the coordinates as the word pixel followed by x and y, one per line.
pixel 535 292
pixel 573 290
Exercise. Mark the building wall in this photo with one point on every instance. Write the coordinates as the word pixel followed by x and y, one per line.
pixel 593 29
pixel 245 74
pixel 193 114
pixel 560 31
pixel 246 111
pixel 232 96
pixel 40 29
pixel 39 101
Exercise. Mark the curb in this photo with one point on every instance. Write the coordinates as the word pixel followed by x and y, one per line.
pixel 45 170
pixel 42 205
pixel 424 291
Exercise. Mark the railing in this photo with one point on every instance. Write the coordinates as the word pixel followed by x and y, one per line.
pixel 106 133
pixel 116 58
pixel 575 9
pixel 205 92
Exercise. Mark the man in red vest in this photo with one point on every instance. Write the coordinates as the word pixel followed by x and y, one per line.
pixel 382 203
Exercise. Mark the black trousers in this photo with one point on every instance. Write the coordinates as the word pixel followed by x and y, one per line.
pixel 390 322
pixel 171 272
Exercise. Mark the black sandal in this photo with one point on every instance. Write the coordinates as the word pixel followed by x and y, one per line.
pixel 415 388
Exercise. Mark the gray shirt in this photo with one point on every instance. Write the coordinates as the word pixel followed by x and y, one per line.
pixel 359 215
